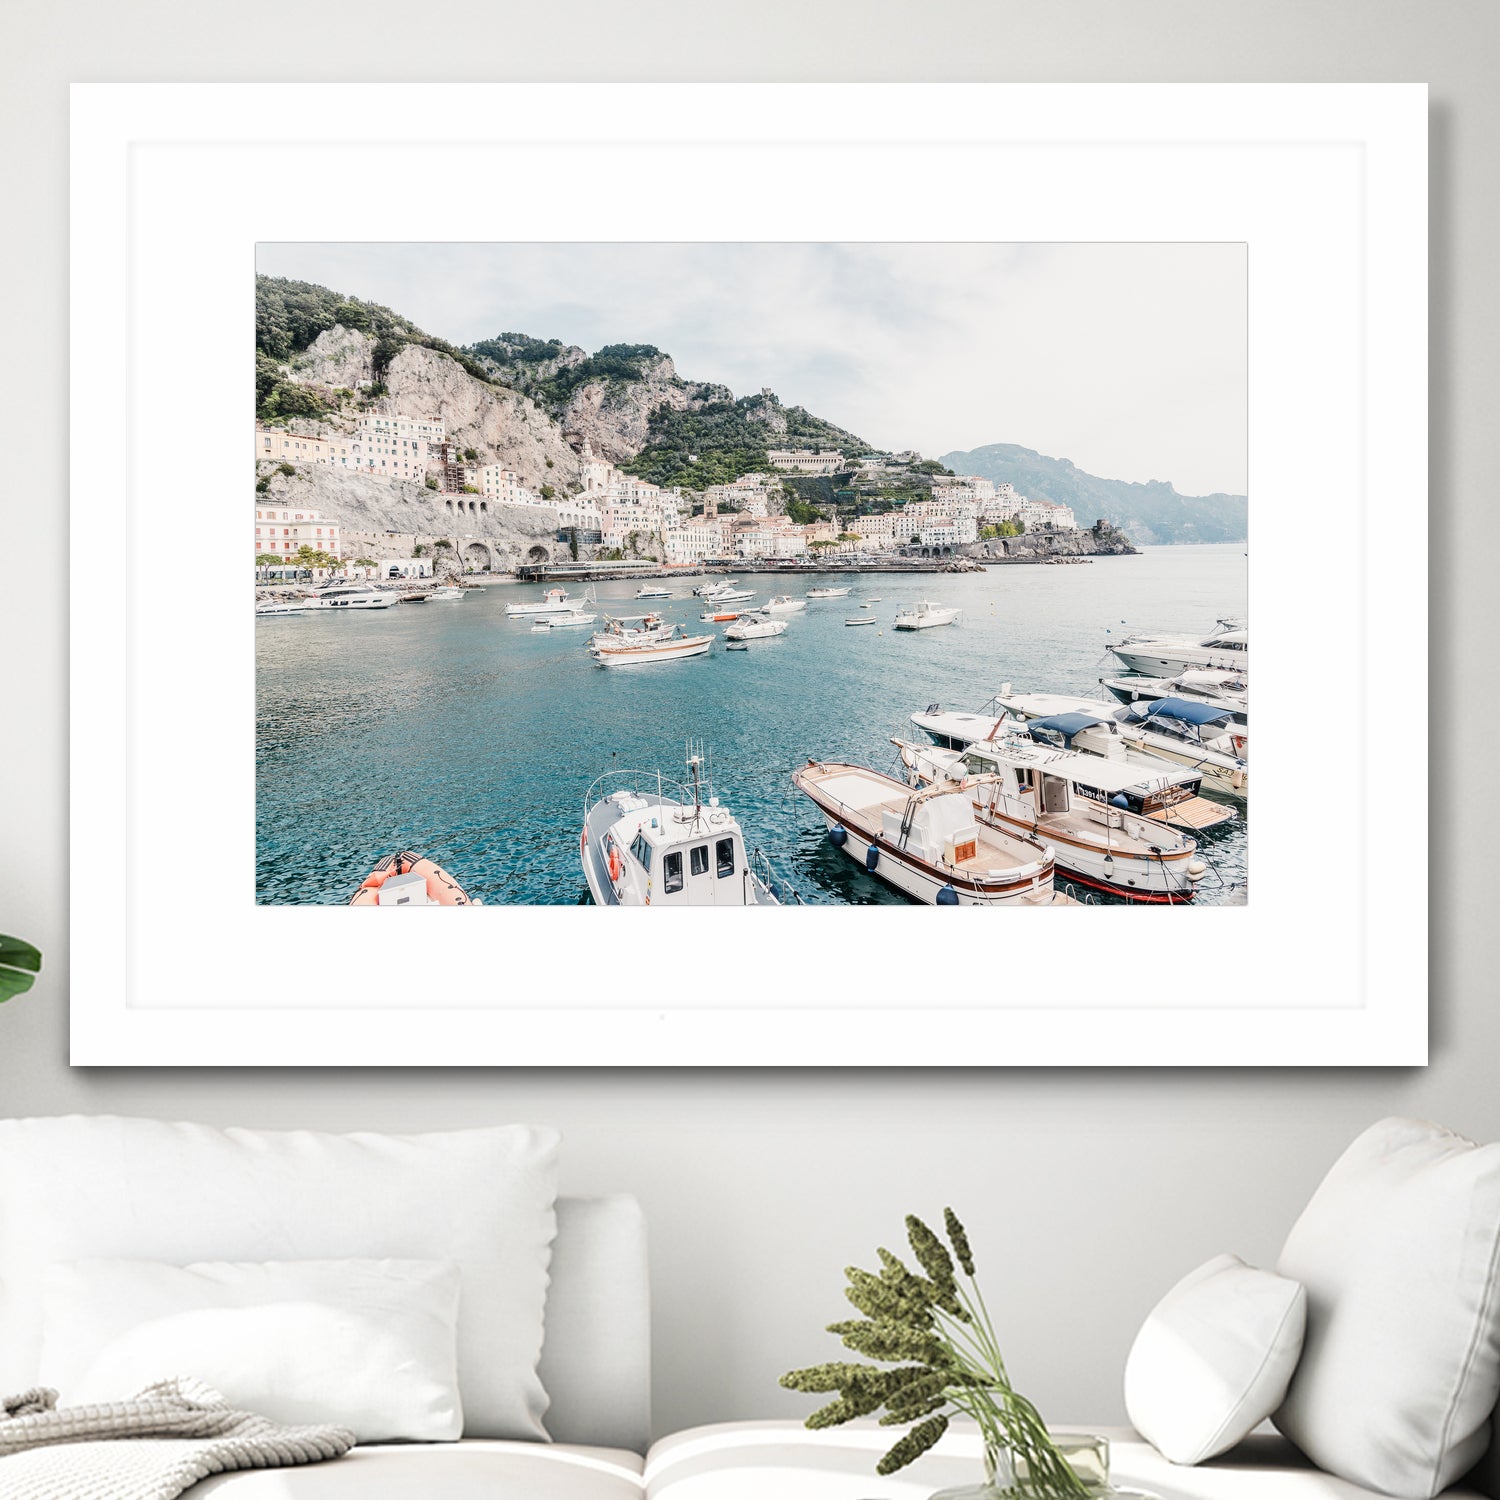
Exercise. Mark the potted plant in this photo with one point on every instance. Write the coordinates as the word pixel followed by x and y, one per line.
pixel 19 966
pixel 936 1355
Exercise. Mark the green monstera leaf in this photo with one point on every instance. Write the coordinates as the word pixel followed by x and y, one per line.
pixel 19 965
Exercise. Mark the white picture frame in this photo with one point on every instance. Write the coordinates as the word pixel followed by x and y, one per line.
pixel 173 963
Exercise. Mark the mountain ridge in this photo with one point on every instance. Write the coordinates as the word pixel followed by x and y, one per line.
pixel 1152 512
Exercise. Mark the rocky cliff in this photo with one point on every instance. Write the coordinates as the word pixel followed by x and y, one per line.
pixel 1037 546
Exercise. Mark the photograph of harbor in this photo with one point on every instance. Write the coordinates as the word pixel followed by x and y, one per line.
pixel 756 574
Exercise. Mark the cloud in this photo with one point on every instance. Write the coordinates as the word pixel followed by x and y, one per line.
pixel 1129 359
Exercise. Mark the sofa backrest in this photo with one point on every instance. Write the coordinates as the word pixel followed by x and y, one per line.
pixel 596 1352
pixel 1486 1475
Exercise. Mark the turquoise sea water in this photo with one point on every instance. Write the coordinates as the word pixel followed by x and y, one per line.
pixel 448 729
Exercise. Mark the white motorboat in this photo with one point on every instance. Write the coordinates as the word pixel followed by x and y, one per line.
pixel 755 628
pixel 734 596
pixel 783 604
pixel 359 596
pixel 554 602
pixel 1226 648
pixel 715 590
pixel 285 607
pixel 862 620
pixel 448 594
pixel 927 843
pixel 1065 728
pixel 1106 821
pixel 1229 690
pixel 925 614
pixel 653 591
pixel 669 647
pixel 569 621
pixel 648 843
pixel 829 593
pixel 1191 734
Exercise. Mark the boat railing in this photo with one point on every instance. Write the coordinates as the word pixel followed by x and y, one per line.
pixel 759 868
pixel 639 782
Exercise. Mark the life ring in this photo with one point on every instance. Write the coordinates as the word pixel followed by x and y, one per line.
pixel 616 864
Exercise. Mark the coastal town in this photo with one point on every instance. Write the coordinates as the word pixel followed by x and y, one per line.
pixel 895 504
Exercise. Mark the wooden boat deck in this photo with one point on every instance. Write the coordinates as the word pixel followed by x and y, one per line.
pixel 1194 812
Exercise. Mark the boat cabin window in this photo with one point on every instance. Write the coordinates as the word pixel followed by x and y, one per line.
pixel 724 854
pixel 698 859
pixel 672 872
pixel 642 851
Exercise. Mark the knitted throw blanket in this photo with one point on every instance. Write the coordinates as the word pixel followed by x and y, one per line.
pixel 152 1447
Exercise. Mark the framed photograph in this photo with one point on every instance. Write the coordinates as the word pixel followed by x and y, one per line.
pixel 841 501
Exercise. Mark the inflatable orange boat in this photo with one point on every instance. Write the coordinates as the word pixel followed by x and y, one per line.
pixel 408 879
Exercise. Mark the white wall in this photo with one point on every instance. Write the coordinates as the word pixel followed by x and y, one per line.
pixel 1086 1193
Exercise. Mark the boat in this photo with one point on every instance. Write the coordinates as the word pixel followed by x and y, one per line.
pixel 554 602
pixel 1087 733
pixel 874 599
pixel 633 628
pixel 1191 734
pixel 448 594
pixel 755 628
pixel 1229 690
pixel 285 607
pixel 734 596
pixel 411 598
pixel 720 617
pixel 570 621
pixel 862 620
pixel 1225 648
pixel 925 614
pixel 360 596
pixel 1099 816
pixel 715 590
pixel 408 879
pixel 925 841
pixel 653 591
pixel 646 842
pixel 783 604
pixel 829 593
pixel 669 647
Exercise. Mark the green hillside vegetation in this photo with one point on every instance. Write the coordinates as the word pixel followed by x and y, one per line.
pixel 1152 513
pixel 289 315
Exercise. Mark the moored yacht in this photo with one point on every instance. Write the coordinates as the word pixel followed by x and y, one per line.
pixel 1225 648
pixel 829 593
pixel 285 606
pixel 926 842
pixel 1106 821
pixel 755 628
pixel 653 591
pixel 646 842
pixel 635 629
pixel 783 604
pixel 554 602
pixel 355 596
pixel 447 594
pixel 672 646
pixel 924 615
pixel 734 596
pixel 1229 690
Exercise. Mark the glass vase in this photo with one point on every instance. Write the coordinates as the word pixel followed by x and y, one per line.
pixel 1006 1476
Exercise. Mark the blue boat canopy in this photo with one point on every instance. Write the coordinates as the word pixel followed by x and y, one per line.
pixel 1187 710
pixel 1067 725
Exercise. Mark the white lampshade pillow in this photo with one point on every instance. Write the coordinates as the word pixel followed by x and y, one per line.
pixel 108 1188
pixel 370 1345
pixel 1213 1359
pixel 1399 1249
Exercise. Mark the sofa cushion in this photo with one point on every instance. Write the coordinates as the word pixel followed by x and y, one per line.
pixel 110 1188
pixel 365 1344
pixel 471 1470
pixel 1213 1359
pixel 761 1460
pixel 1399 1250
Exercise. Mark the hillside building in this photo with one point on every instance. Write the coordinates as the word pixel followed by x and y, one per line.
pixel 285 529
pixel 806 460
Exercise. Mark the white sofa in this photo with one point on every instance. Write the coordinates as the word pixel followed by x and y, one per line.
pixel 596 1367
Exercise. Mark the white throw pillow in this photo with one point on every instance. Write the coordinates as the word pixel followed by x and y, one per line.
pixel 1213 1359
pixel 370 1345
pixel 109 1188
pixel 1399 1251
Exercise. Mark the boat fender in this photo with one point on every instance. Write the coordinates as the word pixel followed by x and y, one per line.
pixel 1197 870
pixel 872 857
pixel 838 835
pixel 1120 800
pixel 947 897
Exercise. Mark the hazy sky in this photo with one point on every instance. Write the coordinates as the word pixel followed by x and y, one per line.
pixel 1128 359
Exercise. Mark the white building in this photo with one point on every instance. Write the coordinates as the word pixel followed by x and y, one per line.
pixel 806 460
pixel 579 511
pixel 694 540
pixel 502 486
pixel 285 529
pixel 394 447
pixel 879 533
pixel 971 488
pixel 775 538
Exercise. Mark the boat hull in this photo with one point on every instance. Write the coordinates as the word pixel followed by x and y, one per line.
pixel 442 888
pixel 1166 662
pixel 636 656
